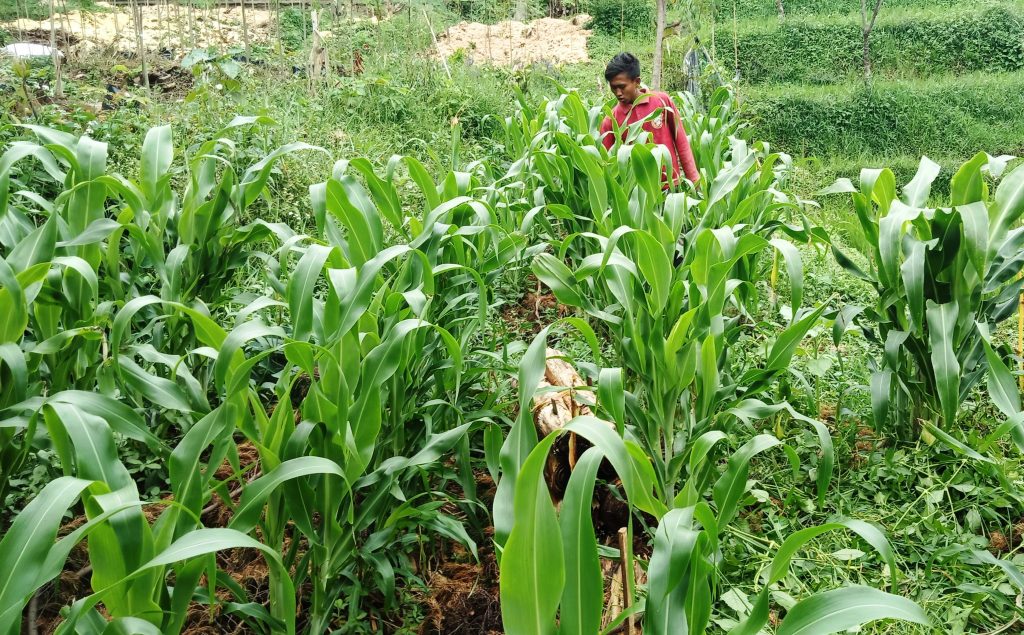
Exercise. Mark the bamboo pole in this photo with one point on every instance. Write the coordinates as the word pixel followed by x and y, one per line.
pixel 58 87
pixel 245 31
pixel 1020 337
pixel 433 35
pixel 140 42
pixel 191 14
pixel 277 21
pixel 17 15
pixel 626 567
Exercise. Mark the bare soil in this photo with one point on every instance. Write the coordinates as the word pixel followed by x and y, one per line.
pixel 518 44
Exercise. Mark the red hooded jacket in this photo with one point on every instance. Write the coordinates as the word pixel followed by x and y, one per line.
pixel 666 130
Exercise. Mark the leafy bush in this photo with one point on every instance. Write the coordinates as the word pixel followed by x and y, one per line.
pixel 952 117
pixel 767 8
pixel 614 17
pixel 825 51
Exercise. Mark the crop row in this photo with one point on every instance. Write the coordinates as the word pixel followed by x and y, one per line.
pixel 363 364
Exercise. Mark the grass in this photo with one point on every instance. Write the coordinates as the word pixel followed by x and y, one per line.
pixel 905 44
pixel 948 116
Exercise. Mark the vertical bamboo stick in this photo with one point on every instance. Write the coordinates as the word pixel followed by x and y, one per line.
pixel 245 31
pixel 190 11
pixel 433 35
pixel 626 567
pixel 1020 336
pixel 58 87
pixel 140 41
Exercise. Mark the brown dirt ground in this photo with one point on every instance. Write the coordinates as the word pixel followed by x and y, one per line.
pixel 529 313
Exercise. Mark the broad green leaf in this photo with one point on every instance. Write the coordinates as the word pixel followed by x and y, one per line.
pixel 157 156
pixel 583 595
pixel 677 548
pixel 795 269
pixel 533 562
pixel 301 286
pixel 26 543
pixel 915 193
pixel 1009 204
pixel 837 610
pixel 968 184
pixel 941 327
pixel 256 493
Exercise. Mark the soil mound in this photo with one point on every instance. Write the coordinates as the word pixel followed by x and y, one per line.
pixel 518 44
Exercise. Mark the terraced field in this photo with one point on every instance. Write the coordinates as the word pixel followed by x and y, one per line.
pixel 947 80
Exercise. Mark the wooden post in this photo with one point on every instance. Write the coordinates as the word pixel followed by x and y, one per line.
pixel 626 567
pixel 659 46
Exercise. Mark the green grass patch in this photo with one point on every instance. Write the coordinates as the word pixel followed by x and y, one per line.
pixel 826 50
pixel 768 8
pixel 954 116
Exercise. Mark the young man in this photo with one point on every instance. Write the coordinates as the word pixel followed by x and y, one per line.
pixel 637 103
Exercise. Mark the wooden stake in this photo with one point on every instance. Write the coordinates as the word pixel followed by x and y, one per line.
pixel 627 572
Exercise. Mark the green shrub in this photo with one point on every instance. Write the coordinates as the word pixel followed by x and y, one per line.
pixel 767 8
pixel 614 17
pixel 821 51
pixel 953 117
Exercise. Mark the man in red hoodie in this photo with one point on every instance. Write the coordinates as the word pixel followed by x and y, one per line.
pixel 637 103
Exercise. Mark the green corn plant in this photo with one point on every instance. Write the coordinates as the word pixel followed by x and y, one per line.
pixel 938 272
pixel 550 563
pixel 672 319
pixel 130 557
pixel 358 350
pixel 711 130
pixel 578 187
pixel 383 352
pixel 190 247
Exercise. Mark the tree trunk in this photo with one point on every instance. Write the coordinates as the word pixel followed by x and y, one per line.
pixel 867 25
pixel 659 45
pixel 782 10
pixel 867 56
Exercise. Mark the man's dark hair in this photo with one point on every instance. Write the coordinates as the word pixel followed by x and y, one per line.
pixel 622 63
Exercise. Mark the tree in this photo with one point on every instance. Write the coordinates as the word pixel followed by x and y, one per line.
pixel 782 10
pixel 867 25
pixel 659 42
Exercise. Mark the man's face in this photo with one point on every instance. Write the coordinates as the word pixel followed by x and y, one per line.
pixel 625 88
